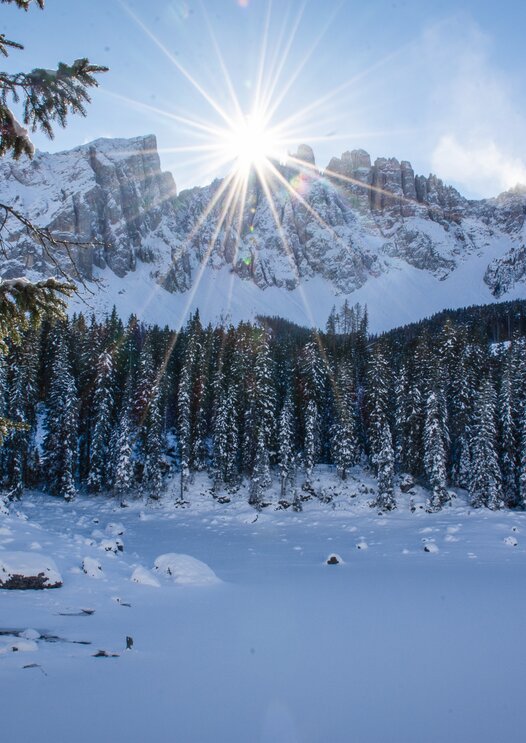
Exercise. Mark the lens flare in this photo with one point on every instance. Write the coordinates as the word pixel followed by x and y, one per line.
pixel 249 142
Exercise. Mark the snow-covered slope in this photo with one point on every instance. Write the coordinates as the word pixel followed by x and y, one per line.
pixel 414 637
pixel 372 233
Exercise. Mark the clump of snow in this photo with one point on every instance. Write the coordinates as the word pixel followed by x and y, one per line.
pixel 115 529
pixel 92 567
pixel 185 570
pixel 334 559
pixel 362 545
pixel 25 570
pixel 431 547
pixel 145 577
pixel 20 646
pixel 112 545
pixel 510 541
pixel 30 634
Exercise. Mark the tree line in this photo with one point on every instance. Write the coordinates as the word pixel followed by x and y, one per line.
pixel 104 406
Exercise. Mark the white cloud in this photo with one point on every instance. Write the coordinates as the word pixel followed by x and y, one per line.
pixel 481 165
pixel 475 110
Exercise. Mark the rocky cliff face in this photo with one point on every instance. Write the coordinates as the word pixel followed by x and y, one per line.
pixel 349 224
pixel 110 192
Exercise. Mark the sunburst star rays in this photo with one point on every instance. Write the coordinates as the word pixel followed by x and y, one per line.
pixel 252 141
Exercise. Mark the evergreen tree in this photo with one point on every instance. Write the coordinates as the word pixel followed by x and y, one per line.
pixel 122 450
pixel 260 479
pixel 153 449
pixel 60 442
pixel 378 402
pixel 486 478
pixel 264 392
pixel 310 443
pixel 184 422
pixel 460 403
pixel 286 458
pixel 436 440
pixel 385 471
pixel 400 413
pixel 313 371
pixel 521 496
pixel 507 445
pixel 225 439
pixel 20 406
pixel 344 434
pixel 102 417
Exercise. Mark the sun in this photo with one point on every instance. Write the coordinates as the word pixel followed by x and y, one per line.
pixel 249 151
pixel 249 143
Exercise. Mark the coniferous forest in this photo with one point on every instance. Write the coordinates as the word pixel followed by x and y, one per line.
pixel 112 407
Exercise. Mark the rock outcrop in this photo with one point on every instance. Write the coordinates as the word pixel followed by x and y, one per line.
pixel 349 224
pixel 110 193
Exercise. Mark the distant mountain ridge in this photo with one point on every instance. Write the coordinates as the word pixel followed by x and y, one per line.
pixel 405 244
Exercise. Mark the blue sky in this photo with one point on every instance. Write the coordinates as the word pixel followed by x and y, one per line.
pixel 441 84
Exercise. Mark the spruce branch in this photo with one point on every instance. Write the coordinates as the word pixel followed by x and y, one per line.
pixel 50 243
pixel 24 4
pixel 24 304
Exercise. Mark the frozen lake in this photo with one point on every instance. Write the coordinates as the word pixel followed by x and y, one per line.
pixel 394 644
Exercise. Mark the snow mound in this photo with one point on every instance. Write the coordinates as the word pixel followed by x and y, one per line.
pixel 115 529
pixel 431 547
pixel 30 634
pixel 112 545
pixel 92 567
pixel 185 570
pixel 362 545
pixel 144 577
pixel 334 559
pixel 510 541
pixel 19 646
pixel 24 570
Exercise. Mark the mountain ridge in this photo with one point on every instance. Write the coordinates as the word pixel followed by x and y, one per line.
pixel 376 233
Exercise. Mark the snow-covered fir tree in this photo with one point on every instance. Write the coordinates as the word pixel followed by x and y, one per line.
pixel 225 438
pixel 378 402
pixel 521 468
pixel 60 447
pixel 436 440
pixel 286 445
pixel 485 475
pixel 260 479
pixel 153 446
pixel 385 471
pixel 20 406
pixel 507 440
pixel 121 448
pixel 102 421
pixel 310 441
pixel 344 440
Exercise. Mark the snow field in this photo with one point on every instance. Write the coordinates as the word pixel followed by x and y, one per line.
pixel 392 644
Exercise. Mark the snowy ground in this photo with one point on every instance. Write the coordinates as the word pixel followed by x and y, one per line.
pixel 393 644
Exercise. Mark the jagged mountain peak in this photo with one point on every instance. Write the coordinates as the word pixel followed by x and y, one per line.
pixel 362 230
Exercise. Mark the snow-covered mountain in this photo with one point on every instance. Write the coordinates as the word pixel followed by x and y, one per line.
pixel 406 245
